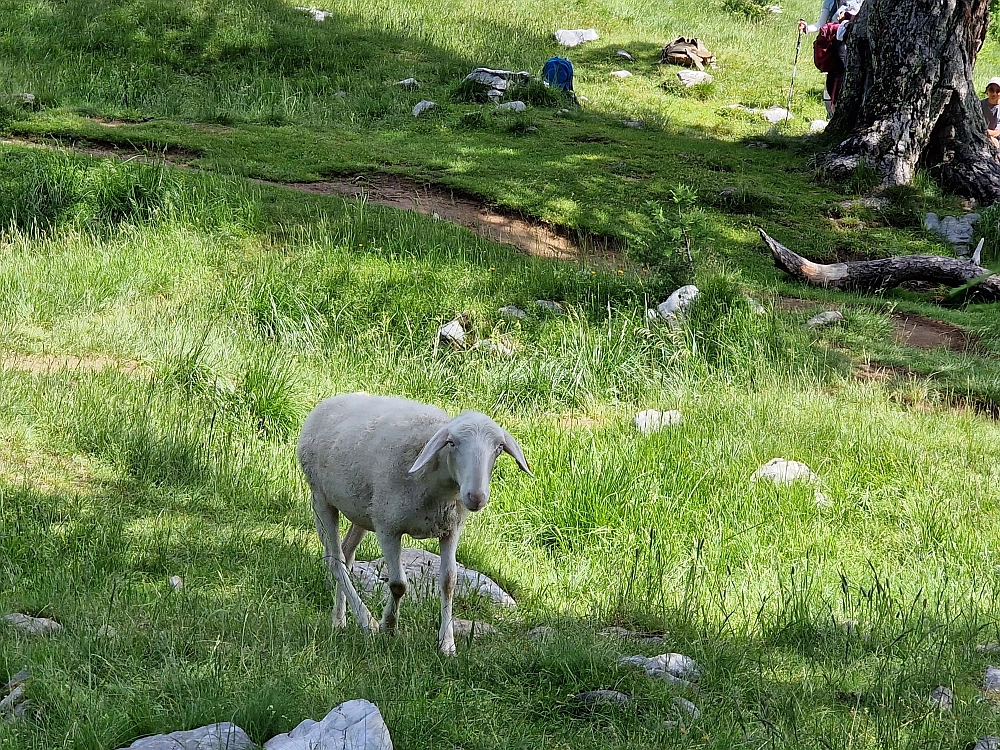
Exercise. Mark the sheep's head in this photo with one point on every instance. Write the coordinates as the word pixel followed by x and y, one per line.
pixel 469 444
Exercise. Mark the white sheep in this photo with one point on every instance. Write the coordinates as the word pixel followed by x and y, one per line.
pixel 395 467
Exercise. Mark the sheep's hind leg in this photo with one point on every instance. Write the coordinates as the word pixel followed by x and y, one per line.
pixel 448 577
pixel 351 541
pixel 391 549
pixel 328 528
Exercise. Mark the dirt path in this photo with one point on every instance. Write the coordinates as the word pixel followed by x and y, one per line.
pixel 530 236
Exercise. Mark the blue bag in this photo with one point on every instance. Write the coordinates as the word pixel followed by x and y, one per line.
pixel 558 73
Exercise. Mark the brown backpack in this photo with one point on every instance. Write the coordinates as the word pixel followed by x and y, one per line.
pixel 689 52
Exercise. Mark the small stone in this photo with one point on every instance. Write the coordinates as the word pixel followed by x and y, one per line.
pixel 729 192
pixel 512 311
pixel 317 15
pixel 817 126
pixel 991 681
pixel 776 9
pixel 677 304
pixel 988 648
pixel 18 679
pixel 515 106
pixel 495 347
pixel 11 701
pixel 942 698
pixel 634 123
pixel 783 471
pixel 106 631
pixel 693 77
pixel 453 332
pixel 562 112
pixel 651 420
pixel 602 698
pixel 547 304
pixel 621 74
pixel 987 743
pixel 472 628
pixel 341 94
pixel 755 305
pixel 757 144
pixel 542 633
pixel 436 216
pixel 686 706
pixel 422 107
pixel 674 668
pixel 223 736
pixel 823 319
pixel 176 583
pixel 409 83
pixel 626 55
pixel 575 37
pixel 774 115
pixel 32 625
pixel 354 725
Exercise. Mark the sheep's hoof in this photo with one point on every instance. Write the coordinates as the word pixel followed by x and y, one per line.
pixel 448 649
pixel 373 628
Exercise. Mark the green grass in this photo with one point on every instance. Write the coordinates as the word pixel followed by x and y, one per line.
pixel 200 316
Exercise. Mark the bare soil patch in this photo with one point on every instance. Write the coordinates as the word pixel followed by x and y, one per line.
pixel 45 364
pixel 528 235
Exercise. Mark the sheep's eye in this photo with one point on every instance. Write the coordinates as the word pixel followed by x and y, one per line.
pixel 450 443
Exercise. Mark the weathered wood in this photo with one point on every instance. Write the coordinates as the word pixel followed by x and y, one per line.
pixel 886 273
pixel 908 100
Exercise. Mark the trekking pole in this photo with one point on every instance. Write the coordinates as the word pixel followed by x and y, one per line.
pixel 795 67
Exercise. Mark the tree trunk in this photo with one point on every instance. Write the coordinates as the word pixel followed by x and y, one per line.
pixel 879 275
pixel 908 99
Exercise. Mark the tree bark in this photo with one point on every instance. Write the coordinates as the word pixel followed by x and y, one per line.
pixel 908 100
pixel 879 275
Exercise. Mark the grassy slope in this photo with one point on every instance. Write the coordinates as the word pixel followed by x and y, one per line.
pixel 242 306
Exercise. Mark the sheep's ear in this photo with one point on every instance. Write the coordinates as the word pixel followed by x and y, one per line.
pixel 510 446
pixel 430 450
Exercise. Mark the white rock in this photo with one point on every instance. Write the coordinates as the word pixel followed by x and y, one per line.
pixel 542 633
pixel 677 303
pixel 693 77
pixel 452 332
pixel 828 318
pixel 621 74
pixel 409 83
pixel 817 126
pixel 512 311
pixel 626 55
pixel 496 347
pixel 942 698
pixel 988 648
pixel 757 144
pixel 755 305
pixel 176 583
pixel 223 736
pixel 634 123
pixel 576 37
pixel 674 668
pixel 686 706
pixel 421 569
pixel 774 115
pixel 547 304
pixel 355 725
pixel 776 9
pixel 472 628
pixel 991 681
pixel 106 631
pixel 987 743
pixel 422 107
pixel 317 15
pixel 602 698
pixel 562 112
pixel 783 471
pixel 651 420
pixel 32 625
pixel 515 106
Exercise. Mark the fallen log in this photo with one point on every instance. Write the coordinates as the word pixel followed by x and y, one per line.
pixel 886 273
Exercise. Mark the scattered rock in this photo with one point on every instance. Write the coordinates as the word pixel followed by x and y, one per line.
pixel 987 743
pixel 472 628
pixel 562 112
pixel 106 631
pixel 651 420
pixel 512 311
pixel 774 115
pixel 693 77
pixel 782 472
pixel 676 669
pixel 453 332
pixel 421 569
pixel 823 319
pixel 32 625
pixel 602 698
pixel 176 583
pixel 942 698
pixel 634 123
pixel 630 635
pixel 621 74
pixel 547 304
pixel 817 126
pixel 352 725
pixel 755 305
pixel 869 201
pixel 495 347
pixel 956 231
pixel 729 192
pixel 409 83
pixel 223 736
pixel 422 107
pixel 515 106
pixel 675 305
pixel 576 37
pixel 988 648
pixel 542 633
pixel 626 55
pixel 317 15
pixel 776 9
pixel 12 703
pixel 757 144
pixel 494 83
pixel 991 681
pixel 687 707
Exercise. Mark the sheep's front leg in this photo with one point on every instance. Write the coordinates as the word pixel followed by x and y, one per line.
pixel 351 541
pixel 391 550
pixel 328 528
pixel 446 581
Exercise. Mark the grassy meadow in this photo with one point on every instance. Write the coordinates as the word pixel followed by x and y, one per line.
pixel 164 332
